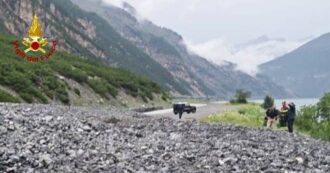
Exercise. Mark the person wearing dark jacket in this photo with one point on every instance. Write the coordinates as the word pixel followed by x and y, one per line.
pixel 271 115
pixel 291 116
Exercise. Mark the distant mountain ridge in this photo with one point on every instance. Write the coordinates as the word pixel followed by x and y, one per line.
pixel 305 71
pixel 168 49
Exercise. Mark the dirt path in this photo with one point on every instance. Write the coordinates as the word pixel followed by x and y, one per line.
pixel 202 110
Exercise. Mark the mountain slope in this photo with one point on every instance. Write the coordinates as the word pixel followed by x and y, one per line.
pixel 67 79
pixel 168 49
pixel 85 34
pixel 305 71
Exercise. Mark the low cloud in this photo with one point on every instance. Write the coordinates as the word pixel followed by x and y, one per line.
pixel 247 56
pixel 117 3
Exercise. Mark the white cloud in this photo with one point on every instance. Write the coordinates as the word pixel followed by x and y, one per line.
pixel 117 3
pixel 214 50
pixel 237 20
pixel 247 57
pixel 224 23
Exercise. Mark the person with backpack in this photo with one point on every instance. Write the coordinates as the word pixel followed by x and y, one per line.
pixel 291 116
pixel 271 114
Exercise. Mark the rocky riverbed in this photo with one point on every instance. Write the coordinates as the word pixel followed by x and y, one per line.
pixel 41 138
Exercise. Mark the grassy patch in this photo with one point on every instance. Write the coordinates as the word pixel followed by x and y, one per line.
pixel 247 115
pixel 252 115
pixel 6 97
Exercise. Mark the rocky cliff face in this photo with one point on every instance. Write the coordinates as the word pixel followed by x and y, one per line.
pixel 82 33
pixel 40 138
pixel 17 17
pixel 168 48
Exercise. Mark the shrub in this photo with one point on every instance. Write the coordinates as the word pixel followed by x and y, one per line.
pixel 27 97
pixel 315 119
pixel 268 102
pixel 165 96
pixel 77 91
pixel 112 90
pixel 324 107
pixel 6 97
pixel 241 96
pixel 98 86
pixel 306 118
pixel 62 95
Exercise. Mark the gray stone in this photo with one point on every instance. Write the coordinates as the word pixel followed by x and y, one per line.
pixel 11 127
pixel 3 130
pixel 48 118
pixel 87 128
pixel 72 153
pixel 82 140
pixel 47 158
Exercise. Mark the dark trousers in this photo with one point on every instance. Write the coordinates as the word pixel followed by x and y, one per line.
pixel 180 114
pixel 290 125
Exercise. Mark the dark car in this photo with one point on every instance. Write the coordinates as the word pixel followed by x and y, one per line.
pixel 183 107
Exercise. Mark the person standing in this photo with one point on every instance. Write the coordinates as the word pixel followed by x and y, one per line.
pixel 181 109
pixel 271 115
pixel 283 114
pixel 291 116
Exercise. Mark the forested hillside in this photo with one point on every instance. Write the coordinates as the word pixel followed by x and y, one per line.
pixel 23 81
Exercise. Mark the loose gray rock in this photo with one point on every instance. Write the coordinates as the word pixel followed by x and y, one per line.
pixel 43 138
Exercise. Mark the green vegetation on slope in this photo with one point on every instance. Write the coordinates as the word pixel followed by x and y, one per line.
pixel 250 115
pixel 6 97
pixel 40 82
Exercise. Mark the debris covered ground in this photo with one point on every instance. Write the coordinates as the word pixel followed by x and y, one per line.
pixel 47 138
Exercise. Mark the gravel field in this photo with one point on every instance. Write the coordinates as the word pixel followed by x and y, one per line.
pixel 44 138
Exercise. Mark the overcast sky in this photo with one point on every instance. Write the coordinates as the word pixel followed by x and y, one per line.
pixel 214 27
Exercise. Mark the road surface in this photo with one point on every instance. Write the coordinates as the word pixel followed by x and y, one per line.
pixel 202 110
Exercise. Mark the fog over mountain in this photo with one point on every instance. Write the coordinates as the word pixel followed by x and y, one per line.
pixel 168 48
pixel 245 33
pixel 237 21
pixel 248 56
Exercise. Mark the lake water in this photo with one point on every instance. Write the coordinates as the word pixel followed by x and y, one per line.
pixel 298 102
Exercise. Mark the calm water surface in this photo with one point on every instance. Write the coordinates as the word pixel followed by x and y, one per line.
pixel 298 102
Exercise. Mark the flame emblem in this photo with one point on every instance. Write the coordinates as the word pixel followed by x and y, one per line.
pixel 35 41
